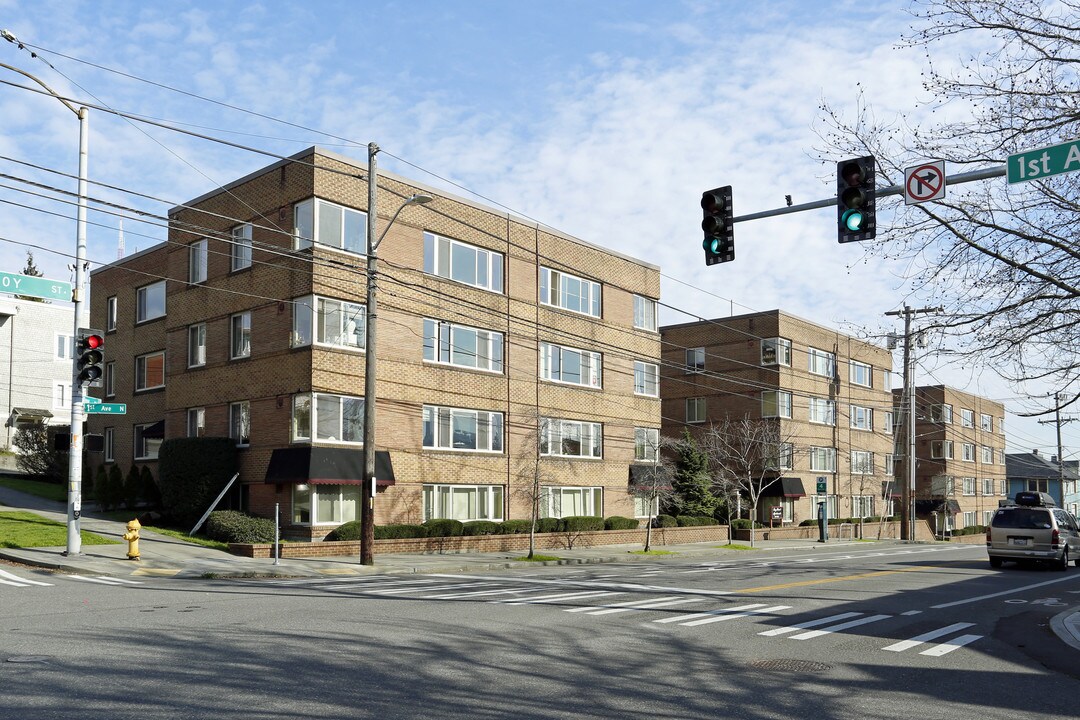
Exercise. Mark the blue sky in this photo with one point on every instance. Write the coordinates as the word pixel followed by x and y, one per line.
pixel 605 119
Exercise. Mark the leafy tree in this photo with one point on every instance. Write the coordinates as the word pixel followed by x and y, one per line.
pixel 37 455
pixel 691 481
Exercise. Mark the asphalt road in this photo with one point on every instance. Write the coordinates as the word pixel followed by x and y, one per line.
pixel 877 632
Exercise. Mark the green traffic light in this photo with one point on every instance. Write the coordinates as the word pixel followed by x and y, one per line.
pixel 711 245
pixel 853 220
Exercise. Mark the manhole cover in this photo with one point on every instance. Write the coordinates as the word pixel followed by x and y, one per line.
pixel 787 665
pixel 29 659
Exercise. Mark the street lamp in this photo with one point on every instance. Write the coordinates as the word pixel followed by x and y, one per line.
pixel 367 488
pixel 74 492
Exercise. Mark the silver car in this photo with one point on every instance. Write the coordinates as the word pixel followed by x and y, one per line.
pixel 1033 529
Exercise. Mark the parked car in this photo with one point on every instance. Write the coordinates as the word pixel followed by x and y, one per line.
pixel 1033 528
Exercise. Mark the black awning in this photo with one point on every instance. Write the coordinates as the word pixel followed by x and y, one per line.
pixel 643 475
pixel 155 431
pixel 925 507
pixel 784 487
pixel 326 466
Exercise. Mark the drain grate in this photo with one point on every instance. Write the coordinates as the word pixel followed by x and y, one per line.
pixel 789 665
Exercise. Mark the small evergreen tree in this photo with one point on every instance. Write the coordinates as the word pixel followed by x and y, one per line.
pixel 101 488
pixel 131 488
pixel 148 489
pixel 32 271
pixel 691 481
pixel 114 489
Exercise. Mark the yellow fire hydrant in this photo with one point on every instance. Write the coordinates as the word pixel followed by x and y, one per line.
pixel 132 536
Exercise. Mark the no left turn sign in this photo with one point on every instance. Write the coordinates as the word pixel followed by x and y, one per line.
pixel 925 182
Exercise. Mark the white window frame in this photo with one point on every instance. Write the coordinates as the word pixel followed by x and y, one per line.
pixel 987 422
pixel 822 459
pixel 463 346
pixel 967 451
pixel 646 444
pixel 641 507
pixel 860 374
pixel 646 379
pixel 821 362
pixel 970 485
pixel 888 424
pixel 554 292
pixel 886 380
pixel 483 502
pixel 862 462
pixel 110 379
pixel 240 422
pixel 862 506
pixel 695 410
pixel 695 360
pixel 941 450
pixel 556 432
pixel 139 443
pixel 783 459
pixel 344 502
pixel 552 500
pixel 197 261
pixel 1004 489
pixel 312 213
pixel 822 411
pixel 890 464
pixel 776 403
pixel 240 250
pixel 553 359
pixel 862 418
pixel 60 399
pixel 196 422
pixel 645 313
pixel 141 371
pixel 776 351
pixel 440 424
pixel 109 440
pixel 110 314
pixel 987 455
pixel 941 413
pixel 146 302
pixel 967 418
pixel 488 265
pixel 305 418
pixel 988 486
pixel 832 504
pixel 240 335
pixel 196 355
pixel 64 347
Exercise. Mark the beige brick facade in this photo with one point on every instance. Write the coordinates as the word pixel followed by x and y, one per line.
pixel 735 375
pixel 277 371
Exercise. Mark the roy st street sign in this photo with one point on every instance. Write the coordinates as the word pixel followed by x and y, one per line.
pixel 35 286
pixel 1043 162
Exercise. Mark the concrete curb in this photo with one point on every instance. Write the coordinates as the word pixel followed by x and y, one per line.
pixel 1066 625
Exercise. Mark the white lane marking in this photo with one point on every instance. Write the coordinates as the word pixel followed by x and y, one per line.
pixel 627 603
pixel 720 618
pixel 342 585
pixel 121 580
pixel 20 581
pixel 1003 592
pixel 477 593
pixel 912 612
pixel 697 616
pixel 15 584
pixel 926 637
pixel 424 588
pixel 637 587
pixel 948 647
pixel 652 606
pixel 818 557
pixel 99 580
pixel 837 628
pixel 809 624
pixel 555 598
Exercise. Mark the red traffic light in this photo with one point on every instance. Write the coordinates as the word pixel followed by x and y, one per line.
pixel 92 342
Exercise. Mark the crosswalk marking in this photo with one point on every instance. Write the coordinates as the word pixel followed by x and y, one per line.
pixel 651 606
pixel 696 616
pixel 477 593
pixel 719 618
pixel 12 579
pixel 837 628
pixel 950 645
pixel 809 624
pixel 399 591
pixel 104 580
pixel 557 598
pixel 926 637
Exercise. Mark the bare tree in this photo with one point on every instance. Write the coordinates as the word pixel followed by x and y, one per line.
pixel 745 454
pixel 1002 260
pixel 652 482
pixel 535 472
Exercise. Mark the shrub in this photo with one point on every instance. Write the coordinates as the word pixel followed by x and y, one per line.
pixel 695 520
pixel 148 489
pixel 394 532
pixel 191 473
pixel 131 488
pixel 617 522
pixel 348 531
pixel 232 526
pixel 481 527
pixel 811 521
pixel 582 523
pixel 548 525
pixel 443 527
pixel 665 521
pixel 970 530
pixel 114 489
pixel 743 524
pixel 516 527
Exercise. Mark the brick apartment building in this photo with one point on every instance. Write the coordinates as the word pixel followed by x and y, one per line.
pixel 830 393
pixel 960 457
pixel 499 341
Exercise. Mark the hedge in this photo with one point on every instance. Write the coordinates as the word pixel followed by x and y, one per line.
pixel 744 524
pixel 617 522
pixel 444 527
pixel 582 523
pixel 548 525
pixel 970 530
pixel 481 527
pixel 191 473
pixel 516 527
pixel 665 521
pixel 696 520
pixel 232 526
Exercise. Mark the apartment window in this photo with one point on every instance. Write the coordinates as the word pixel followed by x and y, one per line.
pixel 197 261
pixel 645 509
pixel 862 462
pixel 324 223
pixel 110 379
pixel 561 502
pixel 150 302
pixel 240 254
pixel 886 379
pixel 196 422
pixel 890 464
pixel 110 314
pixel 569 292
pixel 775 403
pixel 150 371
pixel 463 263
pixel 463 502
pixel 888 421
pixel 862 418
pixel 325 504
pixel 832 504
pixel 644 313
pixel 336 323
pixel 1001 427
pixel 969 484
pixel 967 451
pixel 646 379
pixel 823 459
pixel 463 346
pixel 776 351
pixel 822 411
pixel 941 413
pixel 821 362
pixel 337 418
pixel 860 374
pixel 695 410
pixel 695 360
pixel 1004 488
pixel 65 347
pixel 1001 456
pixel 862 506
pixel 780 457
pixel 240 423
pixel 987 455
pixel 943 485
pixel 571 438
pixel 967 418
pixel 1035 485
pixel 987 422
pixel 941 450
pixel 60 395
pixel 988 486
pixel 647 444
pixel 240 335
pixel 447 428
pixel 971 518
pixel 196 345
pixel 146 447
pixel 570 365
pixel 110 444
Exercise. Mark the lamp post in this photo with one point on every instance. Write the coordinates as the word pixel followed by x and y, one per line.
pixel 367 489
pixel 74 492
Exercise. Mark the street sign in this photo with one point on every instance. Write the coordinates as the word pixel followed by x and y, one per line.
pixel 106 408
pixel 1043 162
pixel 925 182
pixel 35 286
pixel 822 486
pixel 88 399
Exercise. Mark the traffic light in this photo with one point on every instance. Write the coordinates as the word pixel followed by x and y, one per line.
pixel 719 242
pixel 855 200
pixel 89 344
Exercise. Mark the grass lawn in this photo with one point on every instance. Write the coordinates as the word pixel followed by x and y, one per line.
pixel 20 529
pixel 537 558
pixel 49 491
pixel 735 546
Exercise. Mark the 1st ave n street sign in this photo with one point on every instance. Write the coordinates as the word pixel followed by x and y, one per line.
pixel 1043 162
pixel 105 408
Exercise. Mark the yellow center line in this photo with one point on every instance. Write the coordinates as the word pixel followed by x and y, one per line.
pixel 821 581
